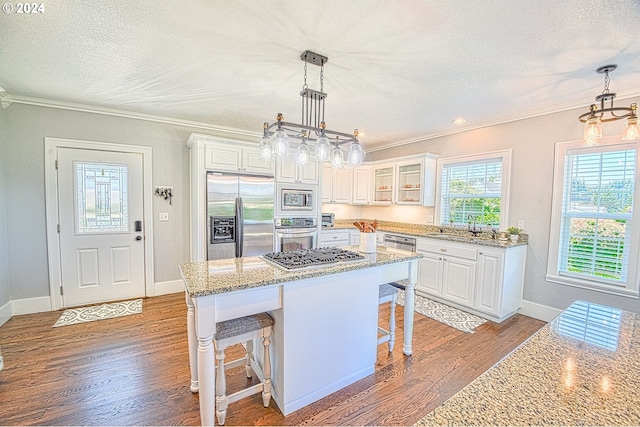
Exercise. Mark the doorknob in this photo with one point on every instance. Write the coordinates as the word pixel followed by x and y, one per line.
pixel 138 237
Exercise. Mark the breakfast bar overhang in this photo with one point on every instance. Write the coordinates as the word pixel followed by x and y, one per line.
pixel 325 320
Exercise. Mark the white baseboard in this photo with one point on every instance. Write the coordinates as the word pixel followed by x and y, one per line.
pixel 31 305
pixel 6 312
pixel 539 311
pixel 170 287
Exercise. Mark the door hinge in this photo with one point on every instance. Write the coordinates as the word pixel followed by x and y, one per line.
pixel 56 165
pixel 61 291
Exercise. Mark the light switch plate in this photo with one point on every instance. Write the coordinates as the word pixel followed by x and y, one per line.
pixel 163 216
pixel 521 224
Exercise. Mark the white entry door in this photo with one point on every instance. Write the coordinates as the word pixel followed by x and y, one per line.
pixel 100 210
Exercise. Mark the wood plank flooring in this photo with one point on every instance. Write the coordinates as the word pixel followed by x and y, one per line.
pixel 134 370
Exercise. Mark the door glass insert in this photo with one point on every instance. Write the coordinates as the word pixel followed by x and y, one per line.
pixel 101 198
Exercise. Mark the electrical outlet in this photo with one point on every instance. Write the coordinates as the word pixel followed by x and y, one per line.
pixel 429 219
pixel 521 224
pixel 163 216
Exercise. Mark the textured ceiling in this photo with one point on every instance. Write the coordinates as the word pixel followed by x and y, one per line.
pixel 399 70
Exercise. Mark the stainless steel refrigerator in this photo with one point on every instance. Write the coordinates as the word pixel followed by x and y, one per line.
pixel 239 215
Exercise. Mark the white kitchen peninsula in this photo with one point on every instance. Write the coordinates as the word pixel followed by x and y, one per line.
pixel 326 318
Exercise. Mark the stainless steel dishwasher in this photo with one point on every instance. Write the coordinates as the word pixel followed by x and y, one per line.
pixel 399 242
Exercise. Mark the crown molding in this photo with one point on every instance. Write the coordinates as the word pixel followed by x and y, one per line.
pixel 485 125
pixel 41 102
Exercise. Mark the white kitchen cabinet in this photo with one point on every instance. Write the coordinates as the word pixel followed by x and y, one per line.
pixel 335 237
pixel 500 279
pixel 384 177
pixel 415 180
pixel 484 280
pixel 336 184
pixel 458 279
pixel 409 181
pixel 288 171
pixel 447 270
pixel 235 157
pixel 361 186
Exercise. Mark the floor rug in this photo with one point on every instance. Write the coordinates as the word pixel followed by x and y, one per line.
pixel 450 316
pixel 99 312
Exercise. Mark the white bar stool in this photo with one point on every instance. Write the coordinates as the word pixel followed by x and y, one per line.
pixel 237 331
pixel 388 293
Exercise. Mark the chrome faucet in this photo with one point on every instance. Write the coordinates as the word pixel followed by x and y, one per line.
pixel 475 231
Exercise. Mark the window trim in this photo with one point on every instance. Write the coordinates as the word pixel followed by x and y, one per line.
pixel 505 192
pixel 631 287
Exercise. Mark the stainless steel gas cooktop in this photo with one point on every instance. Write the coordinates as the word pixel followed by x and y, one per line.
pixel 311 258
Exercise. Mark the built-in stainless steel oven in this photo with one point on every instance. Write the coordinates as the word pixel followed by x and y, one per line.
pixel 296 233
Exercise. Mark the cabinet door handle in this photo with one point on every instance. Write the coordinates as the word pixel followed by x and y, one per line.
pixel 479 253
pixel 443 250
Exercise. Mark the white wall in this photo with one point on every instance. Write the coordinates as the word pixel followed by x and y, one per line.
pixel 5 293
pixel 532 141
pixel 26 126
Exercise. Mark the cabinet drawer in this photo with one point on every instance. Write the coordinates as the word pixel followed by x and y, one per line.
pixel 443 248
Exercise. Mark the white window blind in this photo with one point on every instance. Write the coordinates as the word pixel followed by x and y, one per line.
pixel 472 188
pixel 595 228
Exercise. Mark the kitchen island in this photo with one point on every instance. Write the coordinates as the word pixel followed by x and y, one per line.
pixel 583 368
pixel 325 320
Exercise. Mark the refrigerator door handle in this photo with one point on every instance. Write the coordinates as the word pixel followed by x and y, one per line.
pixel 239 227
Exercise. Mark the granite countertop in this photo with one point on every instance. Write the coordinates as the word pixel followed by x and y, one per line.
pixel 228 275
pixel 451 234
pixel 583 368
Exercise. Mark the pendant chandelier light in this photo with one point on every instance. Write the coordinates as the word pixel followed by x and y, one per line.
pixel 314 141
pixel 595 117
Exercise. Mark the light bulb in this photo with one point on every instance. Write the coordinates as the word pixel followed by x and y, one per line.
pixel 337 159
pixel 302 154
pixel 280 143
pixel 355 154
pixel 631 131
pixel 322 150
pixel 265 148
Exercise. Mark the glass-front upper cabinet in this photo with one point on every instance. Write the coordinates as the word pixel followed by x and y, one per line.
pixel 410 182
pixel 384 184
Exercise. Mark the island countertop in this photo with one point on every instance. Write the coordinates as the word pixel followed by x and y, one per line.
pixel 583 368
pixel 234 274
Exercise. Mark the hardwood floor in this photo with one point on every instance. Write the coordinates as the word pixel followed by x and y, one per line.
pixel 134 370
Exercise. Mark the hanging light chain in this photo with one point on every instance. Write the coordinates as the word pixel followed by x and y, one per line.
pixel 607 80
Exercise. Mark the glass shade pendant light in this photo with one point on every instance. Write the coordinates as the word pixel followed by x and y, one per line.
pixel 280 140
pixel 355 153
pixel 337 158
pixel 607 112
pixel 302 153
pixel 265 149
pixel 325 143
pixel 592 131
pixel 631 131
pixel 323 149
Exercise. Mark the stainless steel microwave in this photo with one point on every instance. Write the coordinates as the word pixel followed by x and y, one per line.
pixel 296 199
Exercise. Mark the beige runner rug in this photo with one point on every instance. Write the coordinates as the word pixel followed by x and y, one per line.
pixel 99 312
pixel 461 320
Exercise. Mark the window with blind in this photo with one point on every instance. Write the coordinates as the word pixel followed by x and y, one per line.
pixel 594 223
pixel 474 188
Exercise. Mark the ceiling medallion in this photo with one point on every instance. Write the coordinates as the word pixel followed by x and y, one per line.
pixel 312 132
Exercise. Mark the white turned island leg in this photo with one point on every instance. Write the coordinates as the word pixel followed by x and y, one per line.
pixel 409 305
pixel 192 340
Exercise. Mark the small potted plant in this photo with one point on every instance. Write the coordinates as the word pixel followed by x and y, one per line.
pixel 514 233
